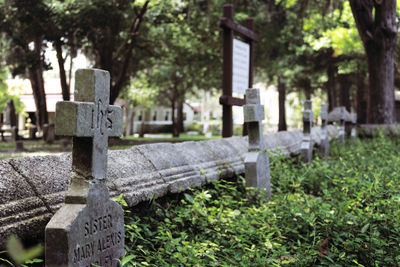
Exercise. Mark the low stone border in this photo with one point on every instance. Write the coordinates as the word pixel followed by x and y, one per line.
pixel 32 189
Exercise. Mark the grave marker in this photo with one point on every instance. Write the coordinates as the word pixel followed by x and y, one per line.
pixel 238 61
pixel 306 144
pixel 324 147
pixel 89 228
pixel 353 133
pixel 256 160
pixel 342 125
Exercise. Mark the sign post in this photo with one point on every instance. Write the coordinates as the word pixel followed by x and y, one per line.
pixel 238 61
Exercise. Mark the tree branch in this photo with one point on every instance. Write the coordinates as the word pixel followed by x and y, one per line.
pixel 134 31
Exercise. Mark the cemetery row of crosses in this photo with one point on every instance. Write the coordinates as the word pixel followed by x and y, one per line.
pixel 91 228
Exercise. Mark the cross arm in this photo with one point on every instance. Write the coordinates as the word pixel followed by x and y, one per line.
pixel 253 113
pixel 78 119
pixel 307 115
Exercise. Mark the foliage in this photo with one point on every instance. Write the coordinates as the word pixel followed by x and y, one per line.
pixel 341 212
pixel 21 256
pixel 6 93
pixel 338 31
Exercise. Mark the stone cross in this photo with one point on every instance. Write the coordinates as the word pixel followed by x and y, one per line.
pixel 324 147
pixel 342 125
pixel 89 229
pixel 256 160
pixel 306 144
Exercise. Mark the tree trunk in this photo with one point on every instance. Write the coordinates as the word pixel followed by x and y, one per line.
pixel 282 97
pixel 331 87
pixel 307 88
pixel 129 130
pixel 180 115
pixel 381 81
pixel 175 131
pixel 345 84
pixel 36 79
pixel 63 76
pixel 71 62
pixel 377 25
pixel 362 97
pixel 122 78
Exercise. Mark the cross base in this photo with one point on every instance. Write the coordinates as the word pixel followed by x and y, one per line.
pixel 257 171
pixel 86 234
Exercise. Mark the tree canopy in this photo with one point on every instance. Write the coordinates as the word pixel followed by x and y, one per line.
pixel 175 45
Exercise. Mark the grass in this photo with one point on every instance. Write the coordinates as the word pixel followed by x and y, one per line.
pixel 340 212
pixel 32 145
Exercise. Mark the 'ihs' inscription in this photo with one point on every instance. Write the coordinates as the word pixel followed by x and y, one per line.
pixel 101 238
pixel 102 119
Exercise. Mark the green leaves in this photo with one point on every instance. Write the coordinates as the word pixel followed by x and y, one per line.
pixel 20 255
pixel 352 199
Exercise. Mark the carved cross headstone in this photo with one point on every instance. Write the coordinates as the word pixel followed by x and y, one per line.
pixel 342 125
pixel 89 228
pixel 256 160
pixel 306 144
pixel 324 147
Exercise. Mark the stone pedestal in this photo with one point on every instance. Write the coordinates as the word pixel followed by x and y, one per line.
pixel 307 143
pixel 257 170
pixel 324 146
pixel 353 133
pixel 84 234
pixel 342 126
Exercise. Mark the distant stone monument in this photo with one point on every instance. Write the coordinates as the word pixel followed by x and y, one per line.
pixel 324 147
pixel 256 160
pixel 307 143
pixel 89 229
pixel 342 125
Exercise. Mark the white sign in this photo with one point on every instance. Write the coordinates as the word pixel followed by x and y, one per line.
pixel 241 66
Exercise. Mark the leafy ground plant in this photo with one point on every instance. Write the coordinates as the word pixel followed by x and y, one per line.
pixel 340 212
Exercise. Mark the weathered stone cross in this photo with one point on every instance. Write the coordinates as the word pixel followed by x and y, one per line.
pixel 254 115
pixel 256 160
pixel 89 228
pixel 90 120
pixel 306 144
pixel 324 147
